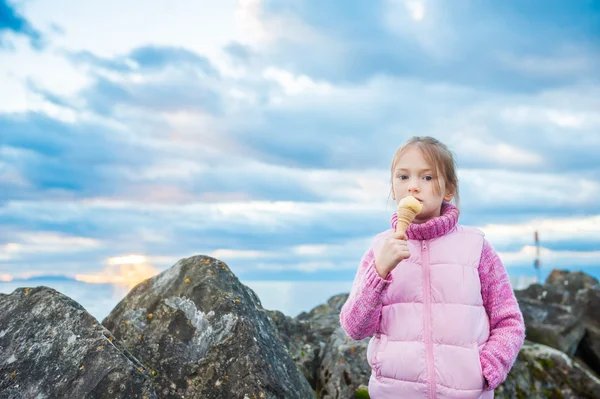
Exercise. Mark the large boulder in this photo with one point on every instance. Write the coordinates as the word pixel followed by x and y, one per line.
pixel 50 347
pixel 306 336
pixel 299 339
pixel 542 372
pixel 344 367
pixel 205 335
pixel 564 313
pixel 589 348
pixel 588 288
pixel 325 318
pixel 553 316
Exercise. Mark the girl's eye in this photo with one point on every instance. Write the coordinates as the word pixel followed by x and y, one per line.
pixel 402 177
pixel 428 177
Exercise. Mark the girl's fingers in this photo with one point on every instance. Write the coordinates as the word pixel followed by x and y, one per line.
pixel 400 236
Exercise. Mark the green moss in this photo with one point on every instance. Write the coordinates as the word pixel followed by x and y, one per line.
pixel 362 394
pixel 538 373
pixel 546 363
pixel 521 394
pixel 552 393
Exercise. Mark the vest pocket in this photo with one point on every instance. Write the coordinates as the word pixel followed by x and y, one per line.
pixel 380 342
pixel 479 366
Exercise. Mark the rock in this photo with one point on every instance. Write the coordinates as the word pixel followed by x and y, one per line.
pixel 335 365
pixel 564 313
pixel 553 316
pixel 325 319
pixel 301 343
pixel 571 281
pixel 307 335
pixel 50 347
pixel 205 335
pixel 344 368
pixel 578 283
pixel 589 348
pixel 542 372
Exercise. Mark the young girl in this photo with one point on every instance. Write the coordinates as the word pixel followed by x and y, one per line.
pixel 437 300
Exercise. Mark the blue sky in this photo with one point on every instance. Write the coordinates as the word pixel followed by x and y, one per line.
pixel 261 132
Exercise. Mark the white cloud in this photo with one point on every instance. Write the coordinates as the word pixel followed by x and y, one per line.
pixel 562 65
pixel 419 21
pixel 292 84
pixel 518 189
pixel 416 9
pixel 115 27
pixel 550 258
pixel 542 115
pixel 10 174
pixel 47 69
pixel 309 267
pixel 248 16
pixel 550 230
pixel 467 145
pixel 126 270
pixel 228 254
pixel 259 28
pixel 40 243
pixel 194 182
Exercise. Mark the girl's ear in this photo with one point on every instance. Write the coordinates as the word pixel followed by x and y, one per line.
pixel 448 196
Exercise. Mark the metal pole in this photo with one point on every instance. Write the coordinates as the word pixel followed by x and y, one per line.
pixel 537 257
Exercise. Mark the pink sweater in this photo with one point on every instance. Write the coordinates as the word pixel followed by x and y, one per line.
pixel 360 314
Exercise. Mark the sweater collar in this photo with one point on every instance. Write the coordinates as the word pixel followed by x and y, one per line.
pixel 433 228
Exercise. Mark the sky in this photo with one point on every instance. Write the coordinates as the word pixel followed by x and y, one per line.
pixel 261 132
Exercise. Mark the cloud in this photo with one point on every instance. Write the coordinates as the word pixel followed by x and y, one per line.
pixel 12 21
pixel 553 231
pixel 126 271
pixel 148 59
pixel 49 156
pixel 557 259
pixel 271 148
pixel 468 44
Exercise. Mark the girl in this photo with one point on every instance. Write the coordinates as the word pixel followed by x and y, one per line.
pixel 437 300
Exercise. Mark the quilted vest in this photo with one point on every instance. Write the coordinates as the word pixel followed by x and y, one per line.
pixel 433 323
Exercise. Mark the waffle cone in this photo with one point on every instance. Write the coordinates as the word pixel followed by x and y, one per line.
pixel 405 217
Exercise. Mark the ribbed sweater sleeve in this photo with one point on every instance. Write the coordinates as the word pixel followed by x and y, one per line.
pixel 507 328
pixel 360 314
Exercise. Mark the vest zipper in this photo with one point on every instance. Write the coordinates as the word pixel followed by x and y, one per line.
pixel 427 318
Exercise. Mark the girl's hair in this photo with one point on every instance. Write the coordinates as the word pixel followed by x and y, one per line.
pixel 438 156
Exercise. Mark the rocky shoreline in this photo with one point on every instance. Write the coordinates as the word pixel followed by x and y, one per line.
pixel 195 331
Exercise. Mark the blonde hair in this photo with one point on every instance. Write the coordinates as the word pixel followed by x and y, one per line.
pixel 438 156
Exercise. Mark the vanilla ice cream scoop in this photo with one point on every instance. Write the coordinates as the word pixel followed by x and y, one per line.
pixel 408 208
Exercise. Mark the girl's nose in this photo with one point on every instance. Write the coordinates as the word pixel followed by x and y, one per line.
pixel 413 187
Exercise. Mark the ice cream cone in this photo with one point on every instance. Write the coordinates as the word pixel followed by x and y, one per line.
pixel 405 217
pixel 408 208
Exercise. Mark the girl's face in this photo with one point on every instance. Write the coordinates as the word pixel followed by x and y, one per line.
pixel 414 176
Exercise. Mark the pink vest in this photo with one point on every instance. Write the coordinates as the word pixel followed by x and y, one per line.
pixel 433 323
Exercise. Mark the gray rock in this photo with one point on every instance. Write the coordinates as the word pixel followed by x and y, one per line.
pixel 50 347
pixel 542 372
pixel 588 288
pixel 205 335
pixel 306 336
pixel 344 368
pixel 325 319
pixel 303 346
pixel 564 313
pixel 572 282
pixel 589 348
pixel 553 316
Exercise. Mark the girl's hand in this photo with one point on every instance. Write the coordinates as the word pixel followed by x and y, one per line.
pixel 393 251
